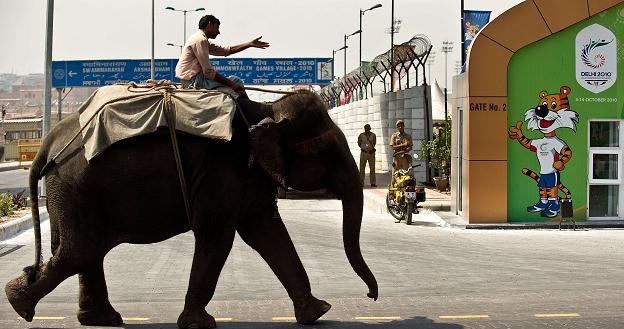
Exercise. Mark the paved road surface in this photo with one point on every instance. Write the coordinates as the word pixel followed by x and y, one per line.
pixel 429 277
pixel 14 181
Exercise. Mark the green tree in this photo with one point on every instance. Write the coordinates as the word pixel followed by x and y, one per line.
pixel 439 149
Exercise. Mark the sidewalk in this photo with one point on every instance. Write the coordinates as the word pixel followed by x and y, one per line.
pixel 438 205
pixel 435 210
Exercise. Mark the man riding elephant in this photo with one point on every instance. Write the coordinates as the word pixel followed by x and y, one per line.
pixel 194 68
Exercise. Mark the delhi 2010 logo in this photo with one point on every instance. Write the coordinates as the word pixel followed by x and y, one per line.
pixel 596 58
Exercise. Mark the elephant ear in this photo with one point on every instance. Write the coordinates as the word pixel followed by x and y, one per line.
pixel 266 149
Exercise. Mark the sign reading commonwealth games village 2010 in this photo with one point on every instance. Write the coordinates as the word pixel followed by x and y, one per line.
pixel 253 71
pixel 596 58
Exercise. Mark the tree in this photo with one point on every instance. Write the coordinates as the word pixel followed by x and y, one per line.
pixel 439 149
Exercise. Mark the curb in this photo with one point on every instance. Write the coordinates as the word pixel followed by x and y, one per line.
pixel 15 227
pixel 548 226
pixel 6 166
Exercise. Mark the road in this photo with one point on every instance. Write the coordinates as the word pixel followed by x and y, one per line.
pixel 14 181
pixel 429 277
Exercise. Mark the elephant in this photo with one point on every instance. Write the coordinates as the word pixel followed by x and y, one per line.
pixel 231 188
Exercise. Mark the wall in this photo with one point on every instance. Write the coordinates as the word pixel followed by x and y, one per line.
pixel 382 112
pixel 485 129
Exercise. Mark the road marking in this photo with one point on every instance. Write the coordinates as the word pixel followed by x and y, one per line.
pixel 48 318
pixel 557 315
pixel 382 318
pixel 223 319
pixel 468 316
pixel 135 319
pixel 284 318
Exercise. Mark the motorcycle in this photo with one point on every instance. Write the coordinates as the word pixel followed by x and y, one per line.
pixel 404 194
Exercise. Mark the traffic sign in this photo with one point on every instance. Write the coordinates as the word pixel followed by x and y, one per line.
pixel 253 71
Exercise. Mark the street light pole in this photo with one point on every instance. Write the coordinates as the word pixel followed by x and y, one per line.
pixel 447 47
pixel 392 48
pixel 185 11
pixel 430 61
pixel 333 59
pixel 152 74
pixel 362 14
pixel 345 53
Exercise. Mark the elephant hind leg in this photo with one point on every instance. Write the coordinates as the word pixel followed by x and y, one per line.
pixel 24 297
pixel 95 308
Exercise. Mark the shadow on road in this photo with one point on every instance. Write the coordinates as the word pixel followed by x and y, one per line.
pixel 417 322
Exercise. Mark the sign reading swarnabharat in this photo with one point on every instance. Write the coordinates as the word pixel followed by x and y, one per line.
pixel 596 58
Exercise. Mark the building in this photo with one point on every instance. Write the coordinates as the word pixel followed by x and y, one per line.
pixel 540 115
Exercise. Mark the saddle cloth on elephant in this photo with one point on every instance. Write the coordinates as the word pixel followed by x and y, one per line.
pixel 121 111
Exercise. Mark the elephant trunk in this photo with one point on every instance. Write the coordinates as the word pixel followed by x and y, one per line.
pixel 349 190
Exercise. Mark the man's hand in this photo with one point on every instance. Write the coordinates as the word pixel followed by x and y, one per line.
pixel 256 43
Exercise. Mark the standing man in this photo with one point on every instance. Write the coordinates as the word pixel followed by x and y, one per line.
pixel 366 142
pixel 194 68
pixel 401 143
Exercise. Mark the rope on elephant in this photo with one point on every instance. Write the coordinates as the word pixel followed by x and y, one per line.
pixel 170 118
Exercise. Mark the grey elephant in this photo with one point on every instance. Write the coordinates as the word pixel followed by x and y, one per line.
pixel 292 142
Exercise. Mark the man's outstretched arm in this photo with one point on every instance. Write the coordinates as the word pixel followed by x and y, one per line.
pixel 255 43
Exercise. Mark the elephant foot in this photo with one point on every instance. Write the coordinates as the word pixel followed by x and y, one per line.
pixel 196 320
pixel 105 316
pixel 19 298
pixel 310 310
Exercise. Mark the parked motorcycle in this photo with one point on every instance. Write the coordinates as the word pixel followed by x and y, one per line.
pixel 404 194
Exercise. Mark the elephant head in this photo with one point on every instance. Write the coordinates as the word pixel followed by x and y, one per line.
pixel 302 148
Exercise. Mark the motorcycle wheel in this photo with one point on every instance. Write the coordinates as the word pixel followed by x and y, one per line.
pixel 408 213
pixel 393 208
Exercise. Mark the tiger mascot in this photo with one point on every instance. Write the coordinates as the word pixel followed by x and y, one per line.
pixel 551 113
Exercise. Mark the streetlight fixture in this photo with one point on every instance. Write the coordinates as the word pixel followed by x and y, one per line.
pixel 447 47
pixel 185 11
pixel 362 14
pixel 345 53
pixel 333 60
pixel 174 45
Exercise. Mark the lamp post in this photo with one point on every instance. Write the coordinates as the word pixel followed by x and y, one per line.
pixel 333 60
pixel 430 62
pixel 362 14
pixel 174 45
pixel 345 53
pixel 447 47
pixel 185 11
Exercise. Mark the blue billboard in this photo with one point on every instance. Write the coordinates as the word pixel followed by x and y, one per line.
pixel 253 71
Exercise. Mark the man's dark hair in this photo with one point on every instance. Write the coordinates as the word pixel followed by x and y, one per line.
pixel 203 22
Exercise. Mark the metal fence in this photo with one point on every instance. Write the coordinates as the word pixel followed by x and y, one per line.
pixel 408 56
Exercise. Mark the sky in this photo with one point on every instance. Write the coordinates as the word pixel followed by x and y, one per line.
pixel 121 29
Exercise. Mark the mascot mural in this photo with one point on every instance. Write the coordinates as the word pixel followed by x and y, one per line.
pixel 551 114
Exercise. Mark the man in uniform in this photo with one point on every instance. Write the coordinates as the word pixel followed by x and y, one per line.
pixel 401 143
pixel 194 68
pixel 366 142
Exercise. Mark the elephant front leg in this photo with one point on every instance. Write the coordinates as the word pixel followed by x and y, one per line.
pixel 211 252
pixel 95 308
pixel 269 237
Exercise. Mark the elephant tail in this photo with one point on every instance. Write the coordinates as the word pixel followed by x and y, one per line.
pixel 33 181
